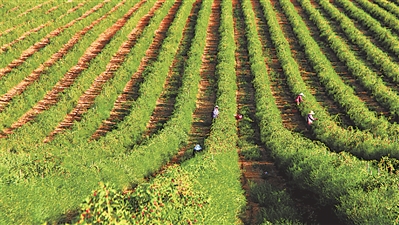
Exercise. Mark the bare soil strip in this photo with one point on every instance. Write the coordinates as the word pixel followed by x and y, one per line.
pixel 51 98
pixel 371 36
pixel 206 96
pixel 340 68
pixel 34 8
pixel 131 91
pixel 291 117
pixel 308 74
pixel 25 34
pixel 165 104
pixel 35 75
pixel 87 99
pixel 252 170
pixel 44 41
pixel 285 102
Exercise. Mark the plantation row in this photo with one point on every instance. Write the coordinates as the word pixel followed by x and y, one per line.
pixel 116 92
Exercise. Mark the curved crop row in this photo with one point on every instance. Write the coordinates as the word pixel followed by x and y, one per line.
pixel 21 49
pixel 59 47
pixel 378 56
pixel 326 130
pixel 389 6
pixel 86 100
pixel 310 165
pixel 76 158
pixel 63 80
pixel 368 78
pixel 15 17
pixel 22 31
pixel 343 94
pixel 28 60
pixel 363 74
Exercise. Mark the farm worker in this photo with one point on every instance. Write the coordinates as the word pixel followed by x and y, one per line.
pixel 215 112
pixel 310 118
pixel 238 116
pixel 197 148
pixel 299 98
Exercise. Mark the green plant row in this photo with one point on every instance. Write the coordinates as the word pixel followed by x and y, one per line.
pixel 222 182
pixel 389 6
pixel 162 146
pixel 34 93
pixel 10 11
pixel 342 93
pixel 18 48
pixel 38 60
pixel 214 169
pixel 273 212
pixel 41 18
pixel 149 156
pixel 338 180
pixel 114 87
pixel 35 16
pixel 376 55
pixel 367 77
pixel 383 35
pixel 382 16
pixel 80 177
pixel 360 143
pixel 28 136
pixel 170 198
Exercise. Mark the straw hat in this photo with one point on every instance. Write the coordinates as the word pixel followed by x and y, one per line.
pixel 311 112
pixel 301 94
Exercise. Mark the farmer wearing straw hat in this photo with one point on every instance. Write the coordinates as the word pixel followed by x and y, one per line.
pixel 299 98
pixel 310 118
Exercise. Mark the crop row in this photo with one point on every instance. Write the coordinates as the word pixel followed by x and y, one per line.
pixel 45 65
pixel 44 34
pixel 339 180
pixel 49 98
pixel 387 96
pixel 360 143
pixel 75 149
pixel 25 15
pixel 24 29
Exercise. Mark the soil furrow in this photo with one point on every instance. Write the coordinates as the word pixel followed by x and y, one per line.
pixel 35 75
pixel 44 41
pixel 5 47
pixel 33 8
pixel 87 99
pixel 23 36
pixel 131 91
pixel 51 98
pixel 165 104
pixel 206 96
pixel 379 44
pixel 308 74
pixel 285 102
pixel 343 71
pixel 284 98
pixel 253 170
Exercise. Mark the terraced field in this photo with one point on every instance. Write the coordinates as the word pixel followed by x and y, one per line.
pixel 102 102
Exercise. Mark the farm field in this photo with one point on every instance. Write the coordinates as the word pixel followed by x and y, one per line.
pixel 102 103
